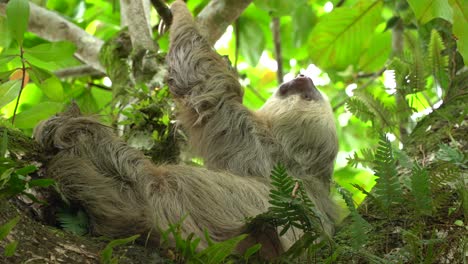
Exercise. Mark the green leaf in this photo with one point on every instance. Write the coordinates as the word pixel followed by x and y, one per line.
pixel 106 254
pixel 359 109
pixel 41 183
pixel 53 89
pixel 387 188
pixel 377 53
pixel 219 251
pixel 26 170
pixel 38 75
pixel 420 189
pixel 426 10
pixel 303 21
pixel 52 52
pixel 460 26
pixel 340 36
pixel 252 250
pixel 10 249
pixel 73 223
pixel 5 40
pixel 4 144
pixel 438 62
pixel 9 91
pixel 251 39
pixel 6 228
pixel 30 117
pixel 278 7
pixel 17 12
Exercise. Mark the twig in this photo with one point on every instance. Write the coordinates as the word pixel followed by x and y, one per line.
pixel 237 47
pixel 23 79
pixel 78 71
pixel 278 55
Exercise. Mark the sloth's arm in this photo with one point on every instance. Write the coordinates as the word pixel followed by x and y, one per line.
pixel 221 130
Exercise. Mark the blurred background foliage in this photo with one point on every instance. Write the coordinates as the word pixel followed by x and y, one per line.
pixel 345 46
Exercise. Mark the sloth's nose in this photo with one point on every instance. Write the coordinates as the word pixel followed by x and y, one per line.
pixel 301 76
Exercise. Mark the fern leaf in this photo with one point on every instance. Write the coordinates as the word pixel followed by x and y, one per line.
pixel 387 188
pixel 383 114
pixel 359 226
pixel 417 75
pixel 438 62
pixel 420 189
pixel 401 71
pixel 359 109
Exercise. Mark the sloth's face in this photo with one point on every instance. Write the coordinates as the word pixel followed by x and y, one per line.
pixel 302 86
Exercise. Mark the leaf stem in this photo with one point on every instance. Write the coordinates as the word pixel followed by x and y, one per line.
pixel 23 80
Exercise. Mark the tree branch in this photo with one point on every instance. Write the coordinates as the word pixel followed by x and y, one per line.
pixel 51 26
pixel 218 15
pixel 136 14
pixel 278 55
pixel 77 71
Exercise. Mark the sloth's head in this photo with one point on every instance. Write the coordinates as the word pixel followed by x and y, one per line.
pixel 298 97
pixel 64 129
pixel 301 86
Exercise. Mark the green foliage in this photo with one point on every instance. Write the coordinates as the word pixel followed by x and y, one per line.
pixel 387 188
pixel 185 248
pixel 290 204
pixel 367 107
pixel 420 189
pixel 450 154
pixel 14 178
pixel 106 254
pixel 460 26
pixel 426 10
pixel 336 43
pixel 5 229
pixel 359 227
pixel 18 17
pixel 73 222
pixel 251 43
pixel 438 61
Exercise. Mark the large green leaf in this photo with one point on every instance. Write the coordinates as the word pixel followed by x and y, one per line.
pixel 303 20
pixel 29 118
pixel 4 32
pixel 252 40
pixel 339 37
pixel 377 53
pixel 54 51
pixel 17 12
pixel 426 10
pixel 9 91
pixel 278 7
pixel 52 88
pixel 460 26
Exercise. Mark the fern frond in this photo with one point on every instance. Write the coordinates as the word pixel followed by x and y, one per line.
pixel 401 71
pixel 359 227
pixel 290 206
pixel 387 188
pixel 417 76
pixel 366 160
pixel 438 63
pixel 383 115
pixel 359 109
pixel 420 189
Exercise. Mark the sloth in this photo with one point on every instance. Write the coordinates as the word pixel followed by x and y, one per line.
pixel 124 193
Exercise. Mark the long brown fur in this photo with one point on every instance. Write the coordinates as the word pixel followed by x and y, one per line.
pixel 125 194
